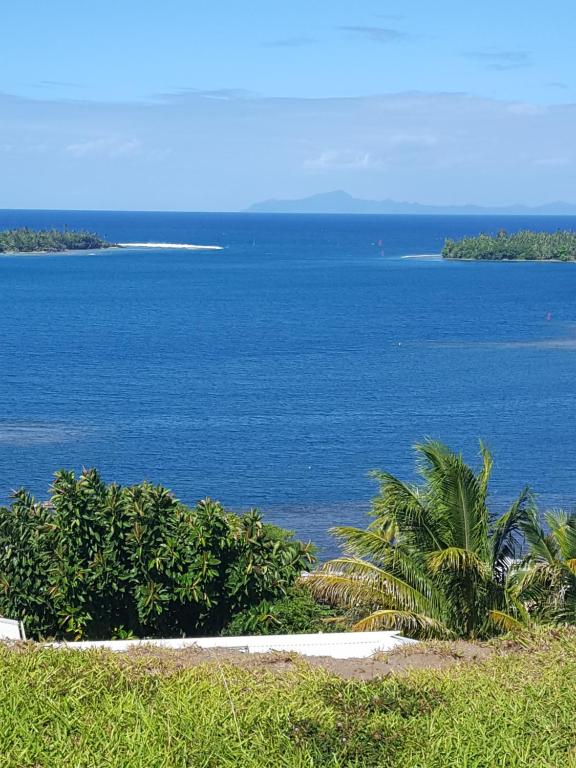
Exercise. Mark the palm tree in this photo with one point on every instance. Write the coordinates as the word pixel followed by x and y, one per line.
pixel 434 561
pixel 547 579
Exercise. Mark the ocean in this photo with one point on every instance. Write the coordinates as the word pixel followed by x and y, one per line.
pixel 278 372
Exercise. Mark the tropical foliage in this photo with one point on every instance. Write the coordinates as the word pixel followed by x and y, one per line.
pixel 524 245
pixel 101 561
pixel 435 561
pixel 546 579
pixel 296 612
pixel 25 240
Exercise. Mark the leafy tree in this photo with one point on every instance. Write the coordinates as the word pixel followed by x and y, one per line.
pixel 104 560
pixel 435 561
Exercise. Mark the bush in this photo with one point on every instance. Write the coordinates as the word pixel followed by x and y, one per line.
pixel 101 561
pixel 297 612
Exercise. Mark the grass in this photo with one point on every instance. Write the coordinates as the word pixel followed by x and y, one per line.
pixel 99 710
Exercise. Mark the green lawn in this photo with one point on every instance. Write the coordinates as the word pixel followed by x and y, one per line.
pixel 97 709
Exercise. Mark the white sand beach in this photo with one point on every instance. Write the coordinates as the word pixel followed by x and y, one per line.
pixel 185 246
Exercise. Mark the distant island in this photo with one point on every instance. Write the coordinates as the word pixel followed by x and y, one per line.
pixel 342 202
pixel 25 240
pixel 520 246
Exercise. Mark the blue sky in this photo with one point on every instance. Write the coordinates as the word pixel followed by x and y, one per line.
pixel 196 105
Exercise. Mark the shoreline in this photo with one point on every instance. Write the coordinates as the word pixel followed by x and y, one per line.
pixel 512 261
pixel 116 247
pixel 59 253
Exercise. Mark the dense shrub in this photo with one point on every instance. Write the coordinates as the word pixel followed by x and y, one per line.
pixel 100 561
pixel 297 612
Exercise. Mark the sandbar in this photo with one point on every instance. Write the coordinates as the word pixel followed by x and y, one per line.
pixel 186 246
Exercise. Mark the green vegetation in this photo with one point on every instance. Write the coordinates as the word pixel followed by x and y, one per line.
pixel 436 562
pixel 520 246
pixel 546 579
pixel 25 240
pixel 102 561
pixel 61 709
pixel 297 612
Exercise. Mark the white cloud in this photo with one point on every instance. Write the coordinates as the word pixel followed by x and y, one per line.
pixel 388 147
pixel 341 159
pixel 196 152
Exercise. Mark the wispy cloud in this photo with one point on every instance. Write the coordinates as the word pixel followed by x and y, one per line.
pixel 59 84
pixel 389 148
pixel 105 147
pixel 289 42
pixel 501 60
pixel 554 161
pixel 341 159
pixel 381 35
pixel 524 108
pixel 218 94
pixel 226 152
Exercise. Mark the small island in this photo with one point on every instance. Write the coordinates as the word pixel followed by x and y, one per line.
pixel 519 246
pixel 25 240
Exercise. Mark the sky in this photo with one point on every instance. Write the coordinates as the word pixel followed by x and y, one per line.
pixel 194 105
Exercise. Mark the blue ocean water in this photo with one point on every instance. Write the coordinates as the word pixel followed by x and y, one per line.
pixel 276 373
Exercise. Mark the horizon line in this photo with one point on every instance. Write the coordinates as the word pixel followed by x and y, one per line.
pixel 485 210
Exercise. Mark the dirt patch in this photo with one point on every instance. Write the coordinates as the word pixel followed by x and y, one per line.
pixel 398 662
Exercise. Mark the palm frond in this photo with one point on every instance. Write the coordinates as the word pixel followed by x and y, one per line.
pixel 486 471
pixel 562 526
pixel 350 581
pixel 458 560
pixel 397 559
pixel 401 505
pixel 344 591
pixel 403 621
pixel 506 622
pixel 457 493
pixel 508 531
pixel 362 542
pixel 541 547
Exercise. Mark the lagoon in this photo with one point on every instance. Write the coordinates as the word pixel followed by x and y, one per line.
pixel 278 371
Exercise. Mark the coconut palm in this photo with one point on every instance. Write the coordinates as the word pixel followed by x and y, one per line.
pixel 547 579
pixel 434 561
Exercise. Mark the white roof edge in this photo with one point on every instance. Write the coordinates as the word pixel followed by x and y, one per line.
pixel 335 644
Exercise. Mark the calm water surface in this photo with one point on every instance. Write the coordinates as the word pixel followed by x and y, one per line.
pixel 277 372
